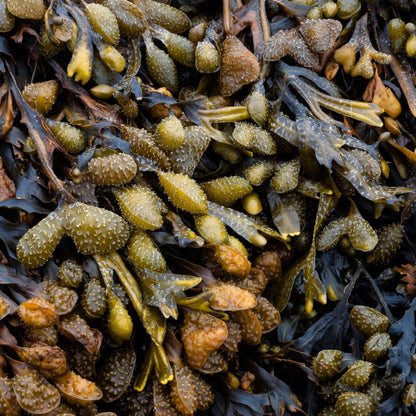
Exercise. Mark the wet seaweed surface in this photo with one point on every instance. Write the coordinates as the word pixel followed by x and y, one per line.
pixel 207 208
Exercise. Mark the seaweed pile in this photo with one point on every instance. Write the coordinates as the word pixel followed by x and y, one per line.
pixel 207 208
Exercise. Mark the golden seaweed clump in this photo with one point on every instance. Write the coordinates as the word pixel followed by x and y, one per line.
pixel 144 253
pixel 359 231
pixel 398 34
pixel 113 59
pixel 189 392
pixel 235 244
pixel 411 46
pixel 211 229
pixel 177 177
pixel 228 297
pixel 95 230
pixel 183 391
pixel 290 42
pixel 252 137
pixel 368 321
pixel 378 93
pixel 94 299
pixel 252 203
pixel 250 326
pixel 184 192
pixel 47 335
pixel 320 34
pixel 201 334
pixel 120 324
pixel 348 9
pixel 226 190
pixel 143 143
pixel 139 206
pixel 34 393
pixel 170 18
pixel 103 22
pixel 77 390
pixel 4 307
pixel 131 20
pixel 38 244
pixel 358 373
pixel 267 314
pixel 304 43
pixel 170 133
pixel 116 169
pixel 269 263
pixel 80 65
pixel 63 298
pixel 255 282
pixel 50 361
pixel 377 346
pixel 70 273
pixel 185 158
pixel 239 66
pixel 257 107
pixel 75 328
pixel 116 373
pixel 223 259
pixel 360 41
pixel 328 363
pixel 180 48
pixel 207 57
pixel 258 172
pixel 197 32
pixel 72 139
pixel 41 96
pixel 28 9
pixel 350 404
pixel 161 66
pixel 286 176
pixel 390 238
pixel 38 313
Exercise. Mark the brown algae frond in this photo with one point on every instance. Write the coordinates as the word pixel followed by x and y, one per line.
pixel 360 41
pixel 191 205
pixel 304 43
